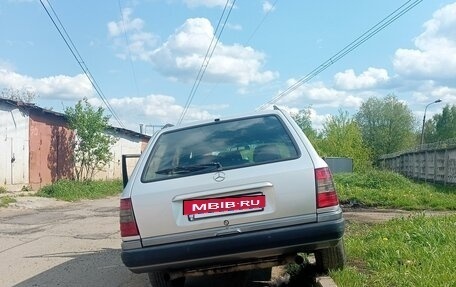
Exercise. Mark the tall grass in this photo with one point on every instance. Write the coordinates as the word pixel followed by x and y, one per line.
pixel 390 190
pixel 74 190
pixel 414 251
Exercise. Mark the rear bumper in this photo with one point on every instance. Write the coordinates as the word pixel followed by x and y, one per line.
pixel 234 248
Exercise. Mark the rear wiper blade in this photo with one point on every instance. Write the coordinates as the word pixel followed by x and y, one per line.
pixel 184 169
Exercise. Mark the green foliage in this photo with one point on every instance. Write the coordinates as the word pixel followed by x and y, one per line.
pixel 387 125
pixel 3 189
pixel 442 126
pixel 92 144
pixel 386 189
pixel 415 251
pixel 342 138
pixel 6 200
pixel 76 190
pixel 304 122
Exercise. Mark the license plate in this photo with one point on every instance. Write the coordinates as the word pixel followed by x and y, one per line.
pixel 210 207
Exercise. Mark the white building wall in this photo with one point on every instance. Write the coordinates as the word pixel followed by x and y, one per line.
pixel 125 145
pixel 14 147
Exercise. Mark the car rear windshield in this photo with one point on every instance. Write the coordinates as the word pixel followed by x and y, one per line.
pixel 220 145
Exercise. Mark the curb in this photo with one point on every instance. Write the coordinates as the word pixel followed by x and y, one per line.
pixel 325 281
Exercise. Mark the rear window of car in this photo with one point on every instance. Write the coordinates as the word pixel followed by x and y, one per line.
pixel 219 146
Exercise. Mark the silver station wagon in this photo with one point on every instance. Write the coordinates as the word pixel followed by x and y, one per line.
pixel 229 195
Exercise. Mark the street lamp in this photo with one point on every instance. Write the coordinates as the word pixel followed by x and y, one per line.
pixel 424 120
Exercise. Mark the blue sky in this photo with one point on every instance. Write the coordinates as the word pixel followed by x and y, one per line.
pixel 145 55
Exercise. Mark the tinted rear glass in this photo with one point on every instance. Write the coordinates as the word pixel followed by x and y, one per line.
pixel 219 146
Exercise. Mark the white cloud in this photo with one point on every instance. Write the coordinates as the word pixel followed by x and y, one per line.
pixel 206 3
pixel 181 56
pixel 430 92
pixel 157 109
pixel 316 119
pixel 236 27
pixel 140 43
pixel 183 53
pixel 53 87
pixel 126 24
pixel 434 55
pixel 321 96
pixel 268 7
pixel 371 78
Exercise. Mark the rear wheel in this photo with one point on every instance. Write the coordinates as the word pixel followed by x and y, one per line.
pixel 332 258
pixel 161 279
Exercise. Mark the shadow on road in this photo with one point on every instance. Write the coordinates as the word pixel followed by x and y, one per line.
pixel 105 268
pixel 101 268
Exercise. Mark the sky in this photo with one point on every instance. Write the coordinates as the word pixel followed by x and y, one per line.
pixel 145 56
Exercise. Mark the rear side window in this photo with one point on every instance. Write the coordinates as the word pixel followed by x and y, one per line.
pixel 219 146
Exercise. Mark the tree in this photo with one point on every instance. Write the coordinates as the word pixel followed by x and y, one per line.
pixel 18 95
pixel 387 125
pixel 91 144
pixel 302 118
pixel 442 126
pixel 342 137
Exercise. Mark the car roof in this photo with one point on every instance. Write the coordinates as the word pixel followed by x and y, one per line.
pixel 170 127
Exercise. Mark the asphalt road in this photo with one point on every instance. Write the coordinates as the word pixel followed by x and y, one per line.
pixel 44 242
pixel 63 244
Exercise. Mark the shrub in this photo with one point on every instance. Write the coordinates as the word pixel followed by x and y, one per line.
pixel 76 190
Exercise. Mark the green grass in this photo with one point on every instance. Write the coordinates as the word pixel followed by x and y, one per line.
pixel 413 251
pixel 390 190
pixel 3 189
pixel 73 190
pixel 6 200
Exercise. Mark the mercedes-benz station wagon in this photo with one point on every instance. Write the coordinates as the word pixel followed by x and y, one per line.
pixel 229 195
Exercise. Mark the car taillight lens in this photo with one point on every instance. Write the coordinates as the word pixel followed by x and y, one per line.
pixel 326 192
pixel 127 219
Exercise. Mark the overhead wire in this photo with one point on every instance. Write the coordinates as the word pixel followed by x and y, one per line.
pixel 257 28
pixel 261 22
pixel 74 51
pixel 128 49
pixel 209 52
pixel 386 21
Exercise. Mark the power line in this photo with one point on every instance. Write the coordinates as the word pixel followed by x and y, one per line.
pixel 74 51
pixel 261 22
pixel 128 49
pixel 207 57
pixel 257 28
pixel 404 8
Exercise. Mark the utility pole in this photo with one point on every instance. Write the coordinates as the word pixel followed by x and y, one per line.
pixel 424 121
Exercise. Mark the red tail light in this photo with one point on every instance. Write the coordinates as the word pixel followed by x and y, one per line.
pixel 326 192
pixel 127 219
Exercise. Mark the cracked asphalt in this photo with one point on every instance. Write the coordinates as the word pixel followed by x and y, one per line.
pixel 48 243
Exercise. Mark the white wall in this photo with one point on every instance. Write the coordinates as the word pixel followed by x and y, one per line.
pixel 14 147
pixel 125 145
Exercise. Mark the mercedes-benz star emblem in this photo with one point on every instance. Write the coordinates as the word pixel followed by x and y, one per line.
pixel 219 176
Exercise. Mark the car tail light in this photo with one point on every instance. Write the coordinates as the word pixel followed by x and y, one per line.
pixel 127 219
pixel 326 192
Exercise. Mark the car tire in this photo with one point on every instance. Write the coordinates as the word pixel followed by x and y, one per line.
pixel 161 279
pixel 332 258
